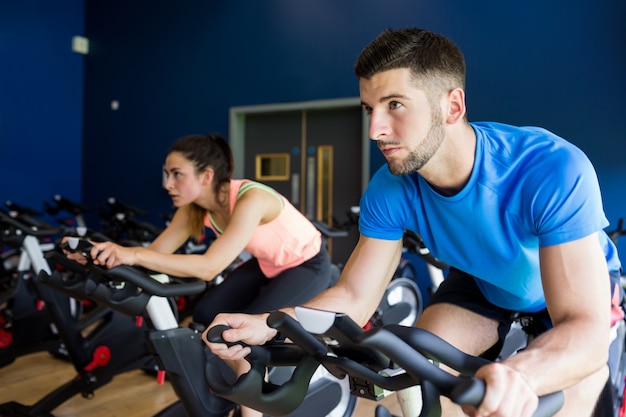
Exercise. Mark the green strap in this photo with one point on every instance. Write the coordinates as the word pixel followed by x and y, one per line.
pixel 245 187
pixel 251 184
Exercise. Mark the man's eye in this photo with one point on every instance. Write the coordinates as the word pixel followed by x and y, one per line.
pixel 395 105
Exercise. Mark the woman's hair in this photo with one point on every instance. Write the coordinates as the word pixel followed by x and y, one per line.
pixel 436 63
pixel 205 151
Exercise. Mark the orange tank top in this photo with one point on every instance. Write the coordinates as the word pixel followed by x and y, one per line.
pixel 285 242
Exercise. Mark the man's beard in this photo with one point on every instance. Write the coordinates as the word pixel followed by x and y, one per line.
pixel 424 151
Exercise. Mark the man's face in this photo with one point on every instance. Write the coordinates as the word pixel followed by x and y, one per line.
pixel 407 128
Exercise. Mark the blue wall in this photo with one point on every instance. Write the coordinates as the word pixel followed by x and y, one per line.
pixel 176 68
pixel 41 86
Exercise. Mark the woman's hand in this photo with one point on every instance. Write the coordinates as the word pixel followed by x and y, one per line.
pixel 111 255
pixel 73 255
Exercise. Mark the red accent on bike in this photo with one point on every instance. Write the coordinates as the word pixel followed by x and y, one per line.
pixel 101 357
pixel 181 303
pixel 5 339
pixel 367 326
pixel 139 321
pixel 160 377
pixel 40 305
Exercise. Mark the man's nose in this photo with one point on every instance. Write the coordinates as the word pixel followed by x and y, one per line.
pixel 379 128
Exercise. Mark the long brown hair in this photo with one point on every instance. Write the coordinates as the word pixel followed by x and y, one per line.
pixel 205 151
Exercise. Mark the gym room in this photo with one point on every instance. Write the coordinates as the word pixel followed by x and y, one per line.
pixel 93 93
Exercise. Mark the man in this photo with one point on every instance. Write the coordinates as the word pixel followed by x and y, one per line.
pixel 516 212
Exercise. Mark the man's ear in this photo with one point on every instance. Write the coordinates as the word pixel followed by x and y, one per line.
pixel 455 106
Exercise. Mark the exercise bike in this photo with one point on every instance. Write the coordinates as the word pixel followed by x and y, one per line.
pixel 376 361
pixel 100 343
pixel 612 400
pixel 179 351
pixel 25 325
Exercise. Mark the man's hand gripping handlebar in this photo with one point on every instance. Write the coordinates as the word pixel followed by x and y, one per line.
pixel 336 342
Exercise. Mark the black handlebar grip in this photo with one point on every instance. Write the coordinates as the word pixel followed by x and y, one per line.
pixel 214 335
pixel 292 329
pixel 549 404
pixel 80 246
pixel 472 390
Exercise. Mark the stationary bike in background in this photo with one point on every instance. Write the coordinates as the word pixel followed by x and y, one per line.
pixel 615 234
pixel 61 204
pixel 25 324
pixel 122 222
pixel 612 400
pixel 99 343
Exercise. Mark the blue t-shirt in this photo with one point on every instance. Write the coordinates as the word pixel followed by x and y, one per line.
pixel 528 188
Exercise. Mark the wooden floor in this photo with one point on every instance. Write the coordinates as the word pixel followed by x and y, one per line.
pixel 134 394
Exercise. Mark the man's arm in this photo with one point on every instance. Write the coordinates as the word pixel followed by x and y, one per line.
pixel 357 293
pixel 577 290
pixel 363 280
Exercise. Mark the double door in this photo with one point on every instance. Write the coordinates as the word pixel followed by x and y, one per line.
pixel 313 156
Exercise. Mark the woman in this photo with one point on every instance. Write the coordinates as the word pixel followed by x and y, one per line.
pixel 289 263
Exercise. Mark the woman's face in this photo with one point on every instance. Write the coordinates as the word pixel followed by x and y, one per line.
pixel 181 181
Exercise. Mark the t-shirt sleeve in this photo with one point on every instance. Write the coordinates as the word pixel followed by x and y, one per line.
pixel 569 206
pixel 382 207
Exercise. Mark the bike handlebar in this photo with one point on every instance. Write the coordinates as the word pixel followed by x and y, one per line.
pixel 124 208
pixel 615 234
pixel 329 231
pixel 414 243
pixel 40 231
pixel 99 279
pixel 64 204
pixel 137 277
pixel 344 348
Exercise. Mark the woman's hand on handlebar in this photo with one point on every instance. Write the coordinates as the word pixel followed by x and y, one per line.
pixel 507 393
pixel 111 255
pixel 70 249
pixel 247 328
pixel 100 253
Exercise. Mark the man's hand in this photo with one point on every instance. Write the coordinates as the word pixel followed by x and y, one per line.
pixel 247 328
pixel 507 394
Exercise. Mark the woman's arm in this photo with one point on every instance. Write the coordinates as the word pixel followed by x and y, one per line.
pixel 175 234
pixel 253 208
